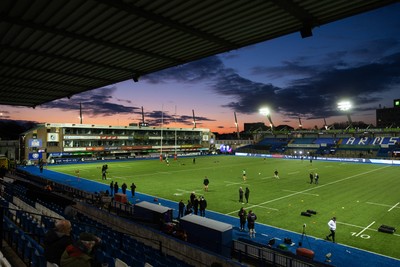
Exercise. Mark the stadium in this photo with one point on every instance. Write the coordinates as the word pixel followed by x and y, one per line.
pixel 120 188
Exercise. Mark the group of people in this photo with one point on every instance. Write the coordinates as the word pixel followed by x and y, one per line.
pixel 114 188
pixel 314 178
pixel 195 205
pixel 245 193
pixel 60 249
pixel 251 218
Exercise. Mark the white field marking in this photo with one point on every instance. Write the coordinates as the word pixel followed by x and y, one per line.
pixel 313 169
pixel 362 227
pixel 317 195
pixel 318 238
pixel 290 173
pixel 268 177
pixel 384 205
pixel 394 206
pixel 184 191
pixel 329 166
pixel 359 233
pixel 258 206
pixel 312 188
pixel 232 183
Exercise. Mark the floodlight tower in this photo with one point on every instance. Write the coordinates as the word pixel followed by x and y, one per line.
pixel 265 111
pixel 346 106
pixel 300 124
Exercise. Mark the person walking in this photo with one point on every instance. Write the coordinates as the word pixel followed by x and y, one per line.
pixel 332 229
pixel 311 177
pixel 244 175
pixel 133 188
pixel 276 174
pixel 241 192
pixel 242 218
pixel 247 194
pixel 251 221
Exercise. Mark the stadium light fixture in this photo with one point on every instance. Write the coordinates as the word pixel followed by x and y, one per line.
pixel 346 106
pixel 266 112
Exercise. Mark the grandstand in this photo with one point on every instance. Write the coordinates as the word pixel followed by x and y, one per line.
pixel 383 144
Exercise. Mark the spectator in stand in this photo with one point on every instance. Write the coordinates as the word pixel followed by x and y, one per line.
pixel 3 171
pixel 56 241
pixel 81 253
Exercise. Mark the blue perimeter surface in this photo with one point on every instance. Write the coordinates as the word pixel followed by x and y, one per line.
pixel 342 255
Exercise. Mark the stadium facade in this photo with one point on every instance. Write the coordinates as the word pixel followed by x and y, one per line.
pixel 61 142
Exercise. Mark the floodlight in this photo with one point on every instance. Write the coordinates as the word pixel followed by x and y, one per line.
pixel 264 111
pixel 344 105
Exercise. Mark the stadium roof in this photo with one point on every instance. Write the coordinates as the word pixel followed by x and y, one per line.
pixel 55 49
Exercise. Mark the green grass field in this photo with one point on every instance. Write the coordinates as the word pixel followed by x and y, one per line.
pixel 361 196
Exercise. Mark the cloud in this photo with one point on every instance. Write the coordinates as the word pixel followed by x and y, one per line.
pixel 94 103
pixel 312 90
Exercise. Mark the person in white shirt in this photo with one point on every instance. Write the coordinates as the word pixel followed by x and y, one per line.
pixel 332 228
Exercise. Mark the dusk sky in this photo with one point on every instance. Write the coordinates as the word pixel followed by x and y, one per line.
pixel 357 58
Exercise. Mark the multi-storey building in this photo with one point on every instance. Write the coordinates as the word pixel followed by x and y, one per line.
pixel 57 142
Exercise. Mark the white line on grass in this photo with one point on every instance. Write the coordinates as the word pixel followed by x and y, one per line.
pixel 290 173
pixel 394 206
pixel 317 195
pixel 362 227
pixel 258 206
pixel 268 177
pixel 362 231
pixel 301 192
pixel 184 191
pixel 231 183
pixel 384 205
